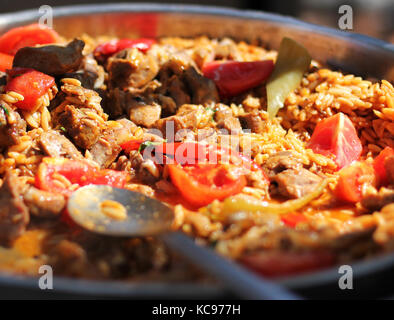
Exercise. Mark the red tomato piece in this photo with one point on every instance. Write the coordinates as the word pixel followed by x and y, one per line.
pixel 31 84
pixel 234 77
pixel 352 179
pixel 131 145
pixel 276 263
pixel 337 136
pixel 5 61
pixel 26 36
pixel 379 167
pixel 292 219
pixel 202 183
pixel 107 49
pixel 78 172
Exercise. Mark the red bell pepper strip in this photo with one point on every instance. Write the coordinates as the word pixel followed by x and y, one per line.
pixel 234 77
pixel 379 166
pixel 107 49
pixel 26 36
pixel 5 61
pixel 131 145
pixel 31 84
pixel 352 179
pixel 78 172
pixel 337 136
pixel 202 183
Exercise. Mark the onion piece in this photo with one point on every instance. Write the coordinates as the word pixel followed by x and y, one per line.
pixel 292 62
pixel 236 204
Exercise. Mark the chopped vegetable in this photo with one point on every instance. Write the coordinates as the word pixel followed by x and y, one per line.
pixel 26 36
pixel 107 49
pixel 292 219
pixel 337 136
pixel 31 84
pixel 234 77
pixel 5 61
pixel 379 166
pixel 6 111
pixel 77 172
pixel 352 179
pixel 292 62
pixel 247 204
pixel 203 183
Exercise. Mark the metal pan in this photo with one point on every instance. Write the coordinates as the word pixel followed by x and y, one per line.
pixel 358 54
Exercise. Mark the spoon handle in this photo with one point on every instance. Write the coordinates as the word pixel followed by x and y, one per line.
pixel 240 281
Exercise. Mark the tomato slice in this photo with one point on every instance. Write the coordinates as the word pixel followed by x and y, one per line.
pixel 337 136
pixel 352 179
pixel 202 183
pixel 31 84
pixel 5 61
pixel 292 219
pixel 78 172
pixel 234 77
pixel 131 145
pixel 277 263
pixel 379 166
pixel 26 36
pixel 107 49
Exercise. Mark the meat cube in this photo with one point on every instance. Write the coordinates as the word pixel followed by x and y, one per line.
pixel 43 203
pixel 253 122
pixel 10 132
pixel 225 120
pixel 56 145
pixel 376 201
pixel 295 183
pixel 105 151
pixel 281 161
pixel 203 90
pixel 143 112
pixel 14 215
pixel 131 68
pixel 54 60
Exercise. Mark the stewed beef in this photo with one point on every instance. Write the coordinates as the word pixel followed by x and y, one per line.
pixel 56 145
pixel 14 215
pixel 43 203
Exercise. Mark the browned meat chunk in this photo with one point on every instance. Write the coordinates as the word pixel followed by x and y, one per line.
pixel 389 166
pixel 203 90
pixel 51 59
pixel 105 150
pixel 90 73
pixel 10 131
pixel 376 201
pixel 225 120
pixel 171 82
pixel 186 118
pixel 281 161
pixel 56 145
pixel 42 203
pixel 253 122
pixel 144 114
pixel 294 183
pixel 146 170
pixel 80 115
pixel 14 215
pixel 131 68
pixel 83 130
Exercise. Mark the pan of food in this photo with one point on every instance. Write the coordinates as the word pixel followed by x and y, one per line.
pixel 270 139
